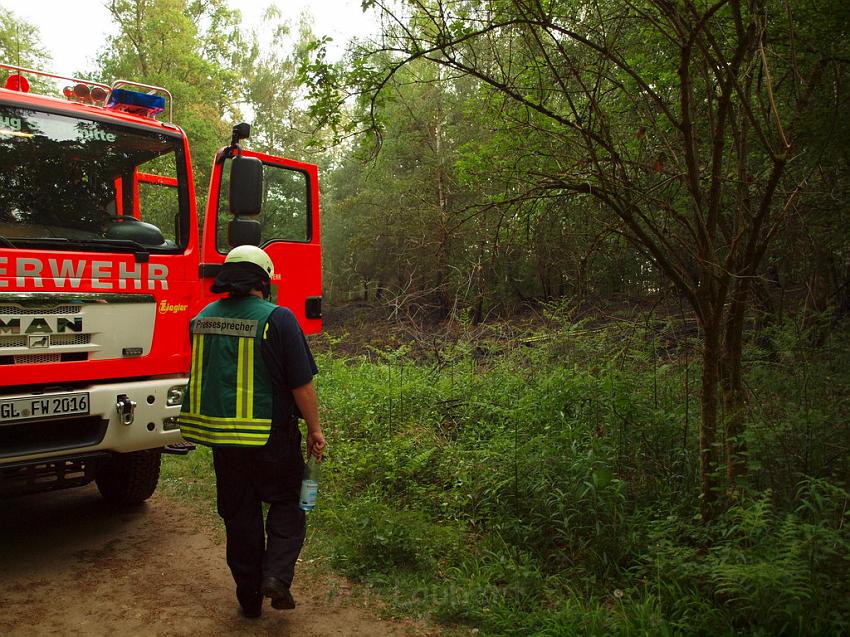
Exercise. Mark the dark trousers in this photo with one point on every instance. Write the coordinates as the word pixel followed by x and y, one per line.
pixel 245 478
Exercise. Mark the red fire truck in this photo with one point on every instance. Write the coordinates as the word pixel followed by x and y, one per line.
pixel 103 261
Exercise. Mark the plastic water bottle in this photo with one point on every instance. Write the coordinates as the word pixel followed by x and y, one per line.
pixel 310 484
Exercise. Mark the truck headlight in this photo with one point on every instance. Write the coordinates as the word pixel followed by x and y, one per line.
pixel 175 395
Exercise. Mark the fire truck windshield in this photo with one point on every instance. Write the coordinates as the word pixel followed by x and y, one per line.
pixel 72 183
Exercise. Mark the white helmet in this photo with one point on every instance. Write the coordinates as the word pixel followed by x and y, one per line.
pixel 251 254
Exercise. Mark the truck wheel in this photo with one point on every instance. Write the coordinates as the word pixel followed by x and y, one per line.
pixel 128 478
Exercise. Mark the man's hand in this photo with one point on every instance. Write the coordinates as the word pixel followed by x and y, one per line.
pixel 316 444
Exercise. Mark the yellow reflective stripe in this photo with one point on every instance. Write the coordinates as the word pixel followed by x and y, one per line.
pixel 192 380
pixel 245 379
pixel 215 435
pixel 196 416
pixel 197 371
pixel 225 423
pixel 248 379
pixel 247 440
pixel 240 387
pixel 201 342
pixel 249 382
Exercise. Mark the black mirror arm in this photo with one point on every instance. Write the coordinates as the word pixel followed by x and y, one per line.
pixel 240 132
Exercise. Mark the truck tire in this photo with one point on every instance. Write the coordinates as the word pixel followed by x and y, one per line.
pixel 128 478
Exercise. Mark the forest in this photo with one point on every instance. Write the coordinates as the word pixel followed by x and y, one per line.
pixel 587 288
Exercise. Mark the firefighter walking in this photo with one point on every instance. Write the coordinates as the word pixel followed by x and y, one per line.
pixel 250 380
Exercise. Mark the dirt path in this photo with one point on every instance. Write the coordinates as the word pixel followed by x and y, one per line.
pixel 71 566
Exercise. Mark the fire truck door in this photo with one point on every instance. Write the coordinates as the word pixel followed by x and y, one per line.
pixel 289 231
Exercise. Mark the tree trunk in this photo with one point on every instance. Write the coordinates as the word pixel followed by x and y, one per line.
pixel 478 314
pixel 443 249
pixel 708 421
pixel 733 389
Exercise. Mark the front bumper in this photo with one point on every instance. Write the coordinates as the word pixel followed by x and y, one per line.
pixel 105 428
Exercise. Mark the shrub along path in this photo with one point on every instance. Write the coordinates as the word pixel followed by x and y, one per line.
pixel 72 566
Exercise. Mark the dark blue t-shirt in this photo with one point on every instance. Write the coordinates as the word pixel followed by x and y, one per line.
pixel 289 360
pixel 290 363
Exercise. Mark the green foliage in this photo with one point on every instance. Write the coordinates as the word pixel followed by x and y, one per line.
pixel 527 147
pixel 20 42
pixel 375 538
pixel 556 129
pixel 760 567
pixel 550 490
pixel 790 440
pixel 273 89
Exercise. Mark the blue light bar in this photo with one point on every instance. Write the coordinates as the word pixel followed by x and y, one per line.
pixel 136 103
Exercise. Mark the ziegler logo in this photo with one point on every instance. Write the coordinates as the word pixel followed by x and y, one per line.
pixel 41 325
pixel 171 308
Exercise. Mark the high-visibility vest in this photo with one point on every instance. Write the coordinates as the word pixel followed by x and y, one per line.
pixel 229 399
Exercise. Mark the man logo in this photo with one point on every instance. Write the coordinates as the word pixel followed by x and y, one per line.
pixel 39 342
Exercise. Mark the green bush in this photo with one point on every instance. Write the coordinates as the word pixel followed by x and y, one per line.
pixel 375 538
pixel 786 573
pixel 567 470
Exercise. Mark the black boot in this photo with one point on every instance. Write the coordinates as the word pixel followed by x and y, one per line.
pixel 279 593
pixel 251 602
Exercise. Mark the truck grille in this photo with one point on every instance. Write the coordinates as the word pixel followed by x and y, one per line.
pixel 34 359
pixel 55 339
pixel 57 309
pixel 70 339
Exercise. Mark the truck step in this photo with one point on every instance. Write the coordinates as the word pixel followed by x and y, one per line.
pixel 179 448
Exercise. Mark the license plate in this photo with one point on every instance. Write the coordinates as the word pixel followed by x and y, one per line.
pixel 14 409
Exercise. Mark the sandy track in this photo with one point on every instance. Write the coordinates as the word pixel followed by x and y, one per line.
pixel 70 565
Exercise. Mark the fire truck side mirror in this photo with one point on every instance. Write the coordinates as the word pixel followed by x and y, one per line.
pixel 242 231
pixel 246 186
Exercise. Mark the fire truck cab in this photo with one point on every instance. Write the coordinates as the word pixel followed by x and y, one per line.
pixel 104 259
